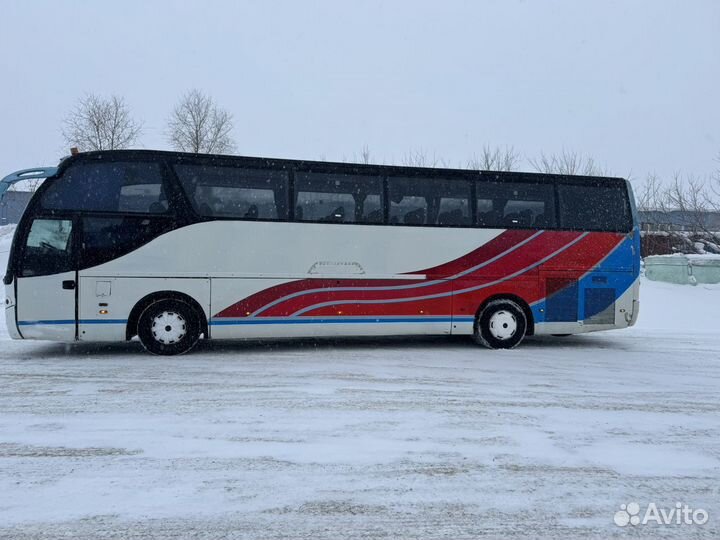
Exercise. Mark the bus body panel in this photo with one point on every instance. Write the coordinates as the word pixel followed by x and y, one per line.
pixel 45 309
pixel 624 314
pixel 280 250
pixel 227 290
pixel 118 295
pixel 414 291
pixel 245 258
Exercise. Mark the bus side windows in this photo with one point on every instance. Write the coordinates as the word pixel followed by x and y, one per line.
pixel 594 207
pixel 515 205
pixel 143 198
pixel 109 187
pixel 429 201
pixel 454 208
pixel 235 192
pixel 338 198
pixel 107 238
pixel 407 209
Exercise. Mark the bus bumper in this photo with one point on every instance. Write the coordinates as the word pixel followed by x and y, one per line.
pixel 10 322
pixel 10 312
pixel 632 317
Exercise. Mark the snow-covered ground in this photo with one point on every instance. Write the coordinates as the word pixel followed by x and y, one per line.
pixel 422 438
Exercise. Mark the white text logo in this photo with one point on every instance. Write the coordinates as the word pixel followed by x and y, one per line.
pixel 680 514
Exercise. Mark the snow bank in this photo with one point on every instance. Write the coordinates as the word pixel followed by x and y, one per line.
pixel 666 306
pixel 695 258
pixel 683 269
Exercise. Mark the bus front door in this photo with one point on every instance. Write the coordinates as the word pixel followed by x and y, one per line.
pixel 46 281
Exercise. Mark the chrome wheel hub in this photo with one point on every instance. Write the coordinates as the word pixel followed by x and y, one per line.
pixel 503 325
pixel 168 327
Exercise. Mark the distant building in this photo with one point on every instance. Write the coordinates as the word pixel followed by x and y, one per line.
pixel 675 231
pixel 679 220
pixel 13 205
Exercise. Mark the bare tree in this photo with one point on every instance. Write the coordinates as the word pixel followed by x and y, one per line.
pixel 690 196
pixel 420 158
pixel 365 155
pixel 650 195
pixel 198 125
pixel 715 186
pixel 494 159
pixel 98 123
pixel 568 162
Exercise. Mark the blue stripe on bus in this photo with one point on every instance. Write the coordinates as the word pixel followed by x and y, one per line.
pixel 618 273
pixel 71 321
pixel 340 320
pixel 31 323
pixel 220 322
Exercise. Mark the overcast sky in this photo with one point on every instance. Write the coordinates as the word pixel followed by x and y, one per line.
pixel 635 84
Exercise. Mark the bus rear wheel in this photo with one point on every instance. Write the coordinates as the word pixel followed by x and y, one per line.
pixel 168 327
pixel 501 324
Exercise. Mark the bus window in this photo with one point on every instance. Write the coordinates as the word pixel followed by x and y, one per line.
pixel 408 204
pixel 109 187
pixel 594 207
pixel 514 204
pixel 106 238
pixel 453 202
pixel 48 249
pixel 235 192
pixel 429 201
pixel 142 198
pixel 340 198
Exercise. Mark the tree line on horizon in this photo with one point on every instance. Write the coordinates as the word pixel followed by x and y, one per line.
pixel 197 124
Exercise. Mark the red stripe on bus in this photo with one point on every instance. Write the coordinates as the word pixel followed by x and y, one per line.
pixel 575 261
pixel 259 300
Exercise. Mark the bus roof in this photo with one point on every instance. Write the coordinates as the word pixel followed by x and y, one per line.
pixel 327 166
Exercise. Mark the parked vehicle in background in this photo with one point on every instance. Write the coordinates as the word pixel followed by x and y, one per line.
pixel 172 247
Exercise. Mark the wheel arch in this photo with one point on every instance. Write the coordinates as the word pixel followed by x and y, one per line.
pixel 132 325
pixel 519 301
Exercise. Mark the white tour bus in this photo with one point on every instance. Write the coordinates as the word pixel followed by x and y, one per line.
pixel 172 247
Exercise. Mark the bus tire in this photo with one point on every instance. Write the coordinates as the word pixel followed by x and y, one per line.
pixel 501 324
pixel 169 327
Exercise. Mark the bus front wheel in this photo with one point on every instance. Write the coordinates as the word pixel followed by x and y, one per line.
pixel 169 327
pixel 501 324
